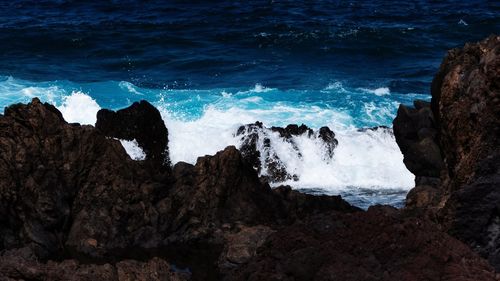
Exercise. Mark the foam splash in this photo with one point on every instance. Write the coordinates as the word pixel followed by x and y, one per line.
pixel 202 122
pixel 382 91
pixel 79 108
pixel 133 149
pixel 368 159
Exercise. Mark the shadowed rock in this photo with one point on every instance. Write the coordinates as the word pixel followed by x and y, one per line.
pixel 380 244
pixel 257 147
pixel 141 122
pixel 70 192
pixel 465 128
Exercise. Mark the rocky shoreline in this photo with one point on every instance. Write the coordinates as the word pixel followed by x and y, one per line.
pixel 75 206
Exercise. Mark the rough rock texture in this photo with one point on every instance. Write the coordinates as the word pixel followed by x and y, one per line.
pixel 74 206
pixel 50 171
pixel 466 97
pixel 466 109
pixel 141 122
pixel 416 134
pixel 380 244
pixel 256 145
pixel 70 192
pixel 22 265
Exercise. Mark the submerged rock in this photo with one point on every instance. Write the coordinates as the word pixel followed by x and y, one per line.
pixel 258 147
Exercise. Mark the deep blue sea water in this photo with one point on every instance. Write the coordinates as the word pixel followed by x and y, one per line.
pixel 210 67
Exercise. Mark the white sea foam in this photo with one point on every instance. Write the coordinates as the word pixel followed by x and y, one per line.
pixel 79 108
pixel 382 91
pixel 369 159
pixel 133 149
pixel 130 88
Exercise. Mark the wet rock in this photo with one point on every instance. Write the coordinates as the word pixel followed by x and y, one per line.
pixel 380 244
pixel 141 122
pixel 292 130
pixel 257 147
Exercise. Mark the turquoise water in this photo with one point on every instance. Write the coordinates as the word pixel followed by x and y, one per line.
pixel 367 167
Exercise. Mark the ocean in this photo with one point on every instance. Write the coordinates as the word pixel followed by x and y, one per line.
pixel 211 67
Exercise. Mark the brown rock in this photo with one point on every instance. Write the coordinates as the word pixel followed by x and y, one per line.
pixel 19 265
pixel 141 122
pixel 466 110
pixel 380 244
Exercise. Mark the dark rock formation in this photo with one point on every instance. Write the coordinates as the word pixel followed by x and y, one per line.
pixel 466 97
pixel 466 124
pixel 50 171
pixel 141 122
pixel 74 206
pixel 69 192
pixel 22 265
pixel 380 244
pixel 416 134
pixel 256 144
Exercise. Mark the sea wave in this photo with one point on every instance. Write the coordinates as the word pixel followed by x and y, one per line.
pixel 202 122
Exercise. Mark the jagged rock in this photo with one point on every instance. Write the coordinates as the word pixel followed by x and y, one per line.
pixel 49 169
pixel 415 133
pixel 464 127
pixel 257 148
pixel 380 244
pixel 21 265
pixel 70 191
pixel 466 97
pixel 224 189
pixel 141 122
pixel 292 130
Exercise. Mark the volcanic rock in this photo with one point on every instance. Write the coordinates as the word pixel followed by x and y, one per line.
pixel 257 147
pixel 69 192
pixel 141 122
pixel 466 97
pixel 22 265
pixel 380 244
pixel 464 128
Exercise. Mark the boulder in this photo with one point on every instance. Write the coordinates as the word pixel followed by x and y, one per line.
pixel 141 122
pixel 461 127
pixel 466 99
pixel 257 147
pixel 50 171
